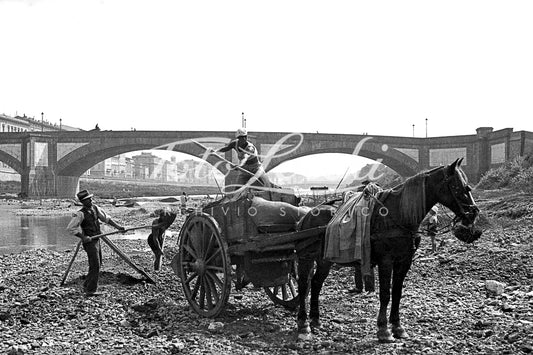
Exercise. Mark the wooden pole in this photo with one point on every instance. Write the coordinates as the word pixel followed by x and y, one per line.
pixel 114 248
pixel 126 259
pixel 70 264
pixel 235 166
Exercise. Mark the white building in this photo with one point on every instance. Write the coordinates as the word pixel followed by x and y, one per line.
pixel 20 124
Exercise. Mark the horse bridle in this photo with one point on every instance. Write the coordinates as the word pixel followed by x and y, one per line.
pixel 462 213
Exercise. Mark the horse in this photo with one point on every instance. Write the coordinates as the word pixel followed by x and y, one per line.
pixel 393 235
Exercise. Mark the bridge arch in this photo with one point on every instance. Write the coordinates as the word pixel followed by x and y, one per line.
pixel 11 161
pixel 81 159
pixel 403 164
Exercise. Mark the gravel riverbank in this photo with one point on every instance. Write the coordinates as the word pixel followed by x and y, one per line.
pixel 447 308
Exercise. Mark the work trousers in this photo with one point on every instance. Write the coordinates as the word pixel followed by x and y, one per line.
pixel 94 254
pixel 368 284
pixel 156 239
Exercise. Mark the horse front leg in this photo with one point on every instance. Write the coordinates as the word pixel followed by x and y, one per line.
pixel 305 267
pixel 385 272
pixel 400 270
pixel 322 271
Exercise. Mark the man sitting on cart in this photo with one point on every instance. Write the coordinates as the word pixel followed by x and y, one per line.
pixel 249 166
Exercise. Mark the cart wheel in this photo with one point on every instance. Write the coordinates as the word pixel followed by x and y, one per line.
pixel 286 295
pixel 204 265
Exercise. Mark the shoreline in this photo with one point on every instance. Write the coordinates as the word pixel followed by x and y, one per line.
pixel 109 189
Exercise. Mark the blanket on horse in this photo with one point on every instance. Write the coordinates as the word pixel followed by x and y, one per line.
pixel 348 233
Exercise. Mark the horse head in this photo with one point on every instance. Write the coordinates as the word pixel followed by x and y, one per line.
pixel 454 192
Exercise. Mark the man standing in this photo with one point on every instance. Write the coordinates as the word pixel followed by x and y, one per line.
pixel 248 159
pixel 85 224
pixel 430 225
pixel 183 202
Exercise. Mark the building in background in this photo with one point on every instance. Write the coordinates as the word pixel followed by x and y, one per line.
pixel 114 167
pixel 20 124
pixel 145 166
pixel 24 124
pixel 149 167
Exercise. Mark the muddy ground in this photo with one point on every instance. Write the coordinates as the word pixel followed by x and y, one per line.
pixel 447 308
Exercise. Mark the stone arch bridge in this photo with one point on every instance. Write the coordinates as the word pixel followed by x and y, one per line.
pixel 50 163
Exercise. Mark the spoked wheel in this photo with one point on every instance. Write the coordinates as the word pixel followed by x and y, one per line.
pixel 286 295
pixel 204 265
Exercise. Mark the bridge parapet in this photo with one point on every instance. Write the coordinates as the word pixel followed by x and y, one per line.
pixel 50 163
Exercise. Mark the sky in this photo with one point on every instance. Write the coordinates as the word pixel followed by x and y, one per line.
pixel 376 67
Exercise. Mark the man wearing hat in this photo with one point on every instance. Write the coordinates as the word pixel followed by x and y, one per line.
pixel 85 224
pixel 248 159
pixel 430 225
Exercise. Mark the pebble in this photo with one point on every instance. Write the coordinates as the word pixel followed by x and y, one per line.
pixel 177 345
pixel 4 316
pixel 513 337
pixel 215 327
pixel 527 348
pixel 18 349
pixel 506 307
pixel 494 287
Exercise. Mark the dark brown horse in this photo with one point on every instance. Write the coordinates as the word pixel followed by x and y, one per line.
pixel 394 222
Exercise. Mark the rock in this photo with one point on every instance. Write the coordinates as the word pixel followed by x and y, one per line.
pixel 124 323
pixel 177 346
pixel 152 333
pixel 494 287
pixel 527 348
pixel 506 307
pixel 18 349
pixel 4 315
pixel 513 337
pixel 215 327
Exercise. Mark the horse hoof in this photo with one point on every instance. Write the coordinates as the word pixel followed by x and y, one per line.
pixel 315 324
pixel 399 333
pixel 305 336
pixel 303 328
pixel 304 332
pixel 385 336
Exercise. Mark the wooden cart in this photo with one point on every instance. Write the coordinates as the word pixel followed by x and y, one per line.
pixel 222 244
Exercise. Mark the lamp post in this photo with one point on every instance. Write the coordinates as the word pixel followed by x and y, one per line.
pixel 413 130
pixel 426 127
pixel 42 121
pixel 60 120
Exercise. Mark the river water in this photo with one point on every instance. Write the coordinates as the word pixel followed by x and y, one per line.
pixel 19 233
